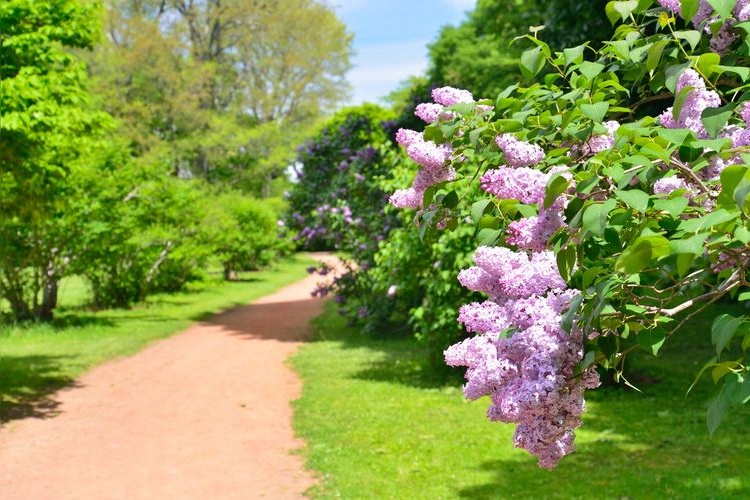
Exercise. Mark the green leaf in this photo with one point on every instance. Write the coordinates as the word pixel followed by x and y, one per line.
pixel 595 216
pixel 652 340
pixel 450 200
pixel 556 186
pixel 676 135
pixel 741 193
pixel 716 408
pixel 730 179
pixel 693 37
pixel 634 198
pixel 638 255
pixel 722 331
pixel 532 62
pixel 706 64
pixel 688 10
pixel 566 261
pixel 596 111
pixel 723 7
pixel 710 364
pixel 674 206
pixel 572 312
pixel 715 119
pixel 684 263
pixel 694 245
pixel 715 218
pixel 671 74
pixel 590 69
pixel 679 101
pixel 478 209
pixel 488 237
pixel 654 54
pixel 742 71
pixel 573 55
pixel 620 10
pixel 508 125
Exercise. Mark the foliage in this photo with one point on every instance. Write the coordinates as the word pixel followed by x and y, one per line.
pixel 246 233
pixel 480 54
pixel 335 204
pixel 223 89
pixel 45 125
pixel 614 222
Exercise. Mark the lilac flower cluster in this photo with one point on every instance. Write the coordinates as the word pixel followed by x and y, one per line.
pixel 432 158
pixel 722 38
pixel 519 153
pixel 529 372
pixel 697 100
pixel 526 185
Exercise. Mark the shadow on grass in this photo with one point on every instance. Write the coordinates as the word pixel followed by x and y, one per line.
pixel 27 386
pixel 76 320
pixel 652 444
pixel 632 446
pixel 409 367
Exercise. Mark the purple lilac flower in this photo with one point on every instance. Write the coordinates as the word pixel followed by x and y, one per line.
pixel 533 233
pixel 405 136
pixel 723 38
pixel 697 100
pixel 428 112
pixel 448 96
pixel 526 185
pixel 528 374
pixel 666 185
pixel 519 153
pixel 406 198
pixel 428 154
pixel 601 142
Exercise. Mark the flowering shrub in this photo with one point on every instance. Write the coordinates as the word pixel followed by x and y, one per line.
pixel 614 206
pixel 335 204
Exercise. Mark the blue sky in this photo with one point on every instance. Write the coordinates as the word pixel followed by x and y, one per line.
pixel 390 39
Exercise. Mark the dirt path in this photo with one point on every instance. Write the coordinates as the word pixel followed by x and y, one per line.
pixel 204 414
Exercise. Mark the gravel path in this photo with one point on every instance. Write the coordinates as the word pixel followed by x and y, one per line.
pixel 204 414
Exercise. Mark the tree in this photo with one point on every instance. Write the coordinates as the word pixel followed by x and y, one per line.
pixel 45 123
pixel 480 54
pixel 226 87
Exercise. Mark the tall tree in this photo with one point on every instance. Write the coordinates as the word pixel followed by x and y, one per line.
pixel 227 84
pixel 44 125
pixel 480 55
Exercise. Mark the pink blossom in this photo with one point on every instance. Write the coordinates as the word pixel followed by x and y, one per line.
pixel 533 233
pixel 448 96
pixel 526 185
pixel 519 153
pixel 406 198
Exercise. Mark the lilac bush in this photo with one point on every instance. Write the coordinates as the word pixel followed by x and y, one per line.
pixel 615 199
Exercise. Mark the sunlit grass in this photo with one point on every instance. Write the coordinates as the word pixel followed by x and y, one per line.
pixel 38 358
pixel 379 425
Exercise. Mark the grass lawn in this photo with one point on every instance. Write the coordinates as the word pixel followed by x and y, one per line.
pixel 36 359
pixel 379 425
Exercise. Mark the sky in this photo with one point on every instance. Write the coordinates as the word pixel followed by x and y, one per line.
pixel 390 40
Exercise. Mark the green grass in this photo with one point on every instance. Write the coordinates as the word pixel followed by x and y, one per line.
pixel 379 425
pixel 36 359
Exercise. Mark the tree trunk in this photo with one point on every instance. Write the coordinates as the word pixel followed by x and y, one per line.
pixel 229 274
pixel 49 299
